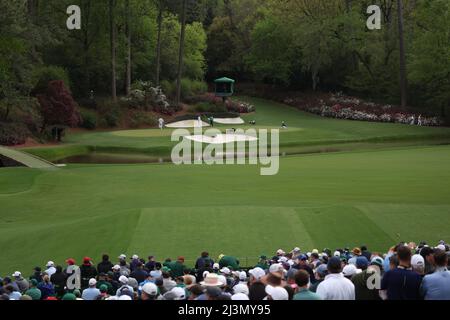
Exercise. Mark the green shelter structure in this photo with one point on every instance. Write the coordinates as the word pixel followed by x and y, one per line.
pixel 224 87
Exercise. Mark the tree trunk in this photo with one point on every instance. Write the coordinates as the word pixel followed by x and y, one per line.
pixel 158 45
pixel 112 4
pixel 128 66
pixel 181 52
pixel 403 79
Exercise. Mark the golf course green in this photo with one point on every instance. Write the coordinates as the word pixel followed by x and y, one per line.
pixel 384 184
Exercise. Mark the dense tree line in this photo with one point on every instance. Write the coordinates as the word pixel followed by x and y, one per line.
pixel 300 44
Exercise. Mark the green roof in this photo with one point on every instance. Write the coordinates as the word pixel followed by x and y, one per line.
pixel 224 80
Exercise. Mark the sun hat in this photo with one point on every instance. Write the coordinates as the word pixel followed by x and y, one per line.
pixel 257 273
pixel 92 282
pixel 212 280
pixel 277 293
pixel 150 288
pixel 241 288
pixel 240 297
pixel 180 293
pixel 315 251
pixel 222 279
pixel 356 251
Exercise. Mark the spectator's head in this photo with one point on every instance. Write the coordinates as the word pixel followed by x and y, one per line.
pixel 404 255
pixel 180 260
pixel 17 275
pixel 356 252
pixel 428 254
pixel 123 263
pixel 257 291
pixel 92 283
pixel 37 269
pixel 105 258
pixel 440 259
pixel 350 270
pixel 276 293
pixel 393 262
pixel 149 291
pixel 321 272
pixel 87 261
pixel 213 293
pixel 418 264
pixel 33 283
pixel 122 257
pixel 59 269
pixel 362 263
pixel 302 279
pixel 9 289
pixel 151 258
pixel 377 261
pixel 70 262
pixel 363 248
pixel 50 264
pixel 256 274
pixel 195 291
pixel 46 278
pixel 6 281
pixel 4 297
pixel 205 254
pixel 334 265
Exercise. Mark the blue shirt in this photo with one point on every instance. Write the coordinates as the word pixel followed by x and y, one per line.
pixel 402 284
pixel 90 294
pixel 436 286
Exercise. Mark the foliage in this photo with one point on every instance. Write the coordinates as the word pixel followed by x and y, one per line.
pixel 57 106
pixel 141 118
pixel 88 119
pixel 13 133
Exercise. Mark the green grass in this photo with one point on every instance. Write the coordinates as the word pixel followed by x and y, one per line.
pixel 332 200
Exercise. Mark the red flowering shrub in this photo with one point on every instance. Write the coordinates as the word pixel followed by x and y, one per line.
pixel 57 106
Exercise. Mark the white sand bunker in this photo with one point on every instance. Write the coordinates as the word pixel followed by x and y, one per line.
pixel 221 138
pixel 229 121
pixel 188 124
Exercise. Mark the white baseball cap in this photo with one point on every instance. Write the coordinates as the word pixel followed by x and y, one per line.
pixel 122 257
pixel 350 270
pixel 180 293
pixel 150 288
pixel 216 266
pixel 242 276
pixel 50 264
pixel 116 267
pixel 280 252
pixel 17 274
pixel 276 267
pixel 226 271
pixel 441 247
pixel 277 293
pixel 283 259
pixel 123 280
pixel 239 297
pixel 241 288
pixel 336 254
pixel 257 273
pixel 135 257
pixel 92 282
pixel 417 261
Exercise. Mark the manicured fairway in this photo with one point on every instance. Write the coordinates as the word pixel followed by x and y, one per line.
pixel 341 199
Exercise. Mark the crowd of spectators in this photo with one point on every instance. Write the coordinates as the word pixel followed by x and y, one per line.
pixel 405 272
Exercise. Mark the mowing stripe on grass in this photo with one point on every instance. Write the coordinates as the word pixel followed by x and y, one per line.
pixel 242 231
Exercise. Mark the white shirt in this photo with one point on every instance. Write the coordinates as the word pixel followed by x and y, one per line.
pixel 50 271
pixel 336 287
